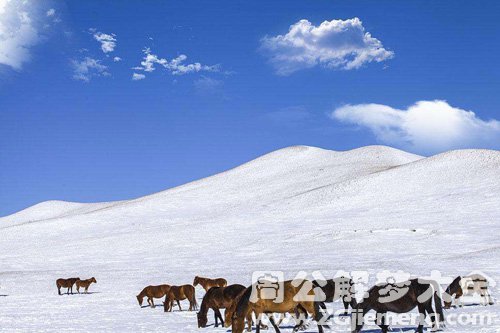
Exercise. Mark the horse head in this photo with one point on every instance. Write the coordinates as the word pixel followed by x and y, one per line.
pixel 202 320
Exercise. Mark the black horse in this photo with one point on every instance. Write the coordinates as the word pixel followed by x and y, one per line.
pixel 334 289
pixel 400 298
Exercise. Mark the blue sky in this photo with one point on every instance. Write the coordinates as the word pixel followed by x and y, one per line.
pixel 218 83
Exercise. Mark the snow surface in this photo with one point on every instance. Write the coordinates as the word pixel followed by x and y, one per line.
pixel 299 208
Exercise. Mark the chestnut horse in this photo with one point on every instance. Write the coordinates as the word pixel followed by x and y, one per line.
pixel 467 286
pixel 179 293
pixel 228 314
pixel 84 284
pixel 337 288
pixel 66 283
pixel 207 283
pixel 400 297
pixel 218 298
pixel 293 301
pixel 152 292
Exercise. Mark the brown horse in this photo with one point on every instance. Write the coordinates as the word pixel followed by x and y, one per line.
pixel 152 292
pixel 467 286
pixel 66 283
pixel 400 298
pixel 337 288
pixel 228 314
pixel 207 283
pixel 218 298
pixel 179 293
pixel 84 284
pixel 261 305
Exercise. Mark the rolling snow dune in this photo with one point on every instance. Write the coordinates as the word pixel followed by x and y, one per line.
pixel 298 208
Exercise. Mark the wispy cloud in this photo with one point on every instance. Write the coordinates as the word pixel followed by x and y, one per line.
pixel 425 127
pixel 108 41
pixel 138 76
pixel 18 33
pixel 51 12
pixel 117 59
pixel 87 68
pixel 208 86
pixel 336 44
pixel 175 66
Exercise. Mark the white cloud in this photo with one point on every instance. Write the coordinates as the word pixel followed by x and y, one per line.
pixel 117 59
pixel 336 44
pixel 18 33
pixel 426 126
pixel 51 12
pixel 175 66
pixel 87 68
pixel 138 76
pixel 108 41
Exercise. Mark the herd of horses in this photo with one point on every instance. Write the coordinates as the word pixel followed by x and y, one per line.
pixel 69 283
pixel 241 307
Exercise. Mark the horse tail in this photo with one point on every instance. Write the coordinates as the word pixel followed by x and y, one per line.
pixel 195 303
pixel 438 305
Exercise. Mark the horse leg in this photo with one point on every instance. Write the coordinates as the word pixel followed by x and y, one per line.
pixel 346 306
pixel 381 322
pixel 488 297
pixel 421 320
pixel 218 316
pixel 433 314
pixel 171 306
pixel 78 289
pixel 258 318
pixel 59 290
pixel 179 305
pixel 271 320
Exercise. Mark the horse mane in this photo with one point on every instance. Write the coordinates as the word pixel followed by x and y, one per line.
pixel 143 292
pixel 242 306
pixel 205 300
pixel 454 285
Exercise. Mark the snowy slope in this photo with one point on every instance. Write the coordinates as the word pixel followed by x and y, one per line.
pixel 298 208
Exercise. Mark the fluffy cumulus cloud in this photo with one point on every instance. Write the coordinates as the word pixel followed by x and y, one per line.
pixel 336 44
pixel 176 66
pixel 88 68
pixel 425 127
pixel 18 33
pixel 108 41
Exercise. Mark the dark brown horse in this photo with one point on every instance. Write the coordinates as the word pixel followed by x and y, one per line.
pixel 66 283
pixel 218 298
pixel 152 292
pixel 179 293
pixel 337 288
pixel 207 283
pixel 289 304
pixel 84 284
pixel 467 286
pixel 228 314
pixel 400 298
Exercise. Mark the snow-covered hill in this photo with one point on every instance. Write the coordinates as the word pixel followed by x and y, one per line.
pixel 298 208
